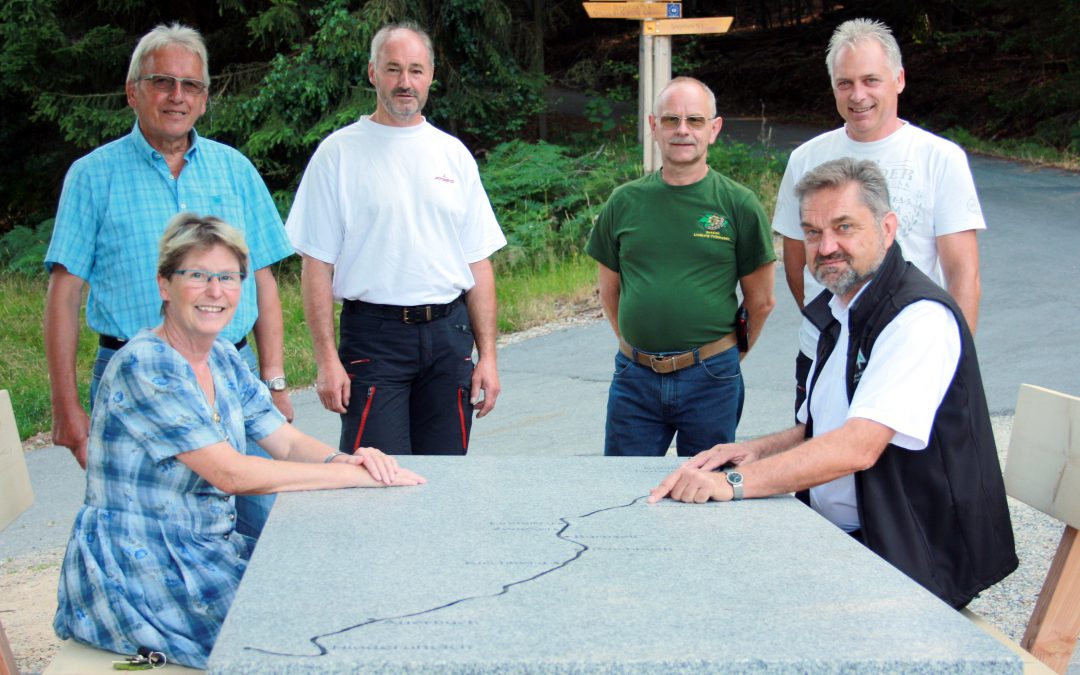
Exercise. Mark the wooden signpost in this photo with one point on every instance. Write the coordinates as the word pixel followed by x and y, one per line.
pixel 712 24
pixel 659 21
pixel 633 10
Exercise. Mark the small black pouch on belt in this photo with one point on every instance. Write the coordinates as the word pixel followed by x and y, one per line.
pixel 742 329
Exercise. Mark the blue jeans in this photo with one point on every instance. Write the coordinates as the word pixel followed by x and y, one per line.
pixel 703 403
pixel 251 510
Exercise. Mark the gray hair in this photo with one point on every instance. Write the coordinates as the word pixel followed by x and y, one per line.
pixel 873 190
pixel 163 36
pixel 850 33
pixel 683 79
pixel 187 232
pixel 380 38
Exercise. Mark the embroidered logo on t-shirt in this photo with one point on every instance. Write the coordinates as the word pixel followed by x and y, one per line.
pixel 444 178
pixel 714 226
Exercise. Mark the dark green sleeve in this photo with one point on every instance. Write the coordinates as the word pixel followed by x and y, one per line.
pixel 602 245
pixel 753 244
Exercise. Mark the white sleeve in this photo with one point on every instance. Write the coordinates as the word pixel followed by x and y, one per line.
pixel 480 235
pixel 956 203
pixel 786 218
pixel 315 225
pixel 912 364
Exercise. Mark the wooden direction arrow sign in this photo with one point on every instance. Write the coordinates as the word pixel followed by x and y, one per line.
pixel 633 10
pixel 712 24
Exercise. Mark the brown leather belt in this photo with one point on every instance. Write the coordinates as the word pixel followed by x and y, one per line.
pixel 672 362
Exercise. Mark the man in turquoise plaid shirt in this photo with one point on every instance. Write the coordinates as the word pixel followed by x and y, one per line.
pixel 113 209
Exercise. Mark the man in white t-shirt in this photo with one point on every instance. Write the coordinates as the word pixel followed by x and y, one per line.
pixel 931 186
pixel 894 441
pixel 392 219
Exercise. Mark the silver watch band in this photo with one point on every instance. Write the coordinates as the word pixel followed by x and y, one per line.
pixel 735 480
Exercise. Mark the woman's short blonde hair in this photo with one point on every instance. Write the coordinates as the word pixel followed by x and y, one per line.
pixel 187 232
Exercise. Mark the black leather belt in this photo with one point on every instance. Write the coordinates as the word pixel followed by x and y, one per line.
pixel 114 343
pixel 410 315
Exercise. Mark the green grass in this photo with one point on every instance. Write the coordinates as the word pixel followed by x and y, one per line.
pixel 529 298
pixel 22 368
pixel 1021 150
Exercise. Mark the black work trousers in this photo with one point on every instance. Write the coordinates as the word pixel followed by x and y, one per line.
pixel 410 383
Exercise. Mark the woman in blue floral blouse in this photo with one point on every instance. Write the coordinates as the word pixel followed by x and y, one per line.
pixel 154 558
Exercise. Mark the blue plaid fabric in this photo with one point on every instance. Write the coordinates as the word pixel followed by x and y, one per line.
pixel 154 559
pixel 115 205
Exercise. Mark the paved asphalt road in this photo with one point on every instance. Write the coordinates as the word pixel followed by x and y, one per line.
pixel 555 386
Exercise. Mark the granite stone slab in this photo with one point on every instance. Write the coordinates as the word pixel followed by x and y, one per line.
pixel 557 565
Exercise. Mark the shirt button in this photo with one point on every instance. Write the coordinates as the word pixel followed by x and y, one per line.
pixel 232 516
pixel 224 499
pixel 226 536
pixel 183 206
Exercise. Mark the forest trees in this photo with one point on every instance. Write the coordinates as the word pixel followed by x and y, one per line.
pixel 287 72
pixel 284 74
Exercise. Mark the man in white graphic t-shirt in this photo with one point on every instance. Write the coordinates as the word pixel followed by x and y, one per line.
pixel 931 186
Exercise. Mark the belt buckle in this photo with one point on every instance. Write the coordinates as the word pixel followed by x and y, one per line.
pixel 668 363
pixel 420 319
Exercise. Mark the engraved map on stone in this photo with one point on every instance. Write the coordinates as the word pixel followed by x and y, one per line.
pixel 512 563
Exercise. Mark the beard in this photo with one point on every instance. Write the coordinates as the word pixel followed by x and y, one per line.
pixel 842 283
pixel 403 112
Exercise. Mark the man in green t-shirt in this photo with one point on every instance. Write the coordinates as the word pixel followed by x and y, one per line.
pixel 672 246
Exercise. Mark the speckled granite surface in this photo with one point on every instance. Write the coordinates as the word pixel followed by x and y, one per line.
pixel 556 565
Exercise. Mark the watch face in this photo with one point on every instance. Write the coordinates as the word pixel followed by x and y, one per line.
pixel 276 384
pixel 734 478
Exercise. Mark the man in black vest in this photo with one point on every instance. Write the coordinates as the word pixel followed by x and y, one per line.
pixel 894 445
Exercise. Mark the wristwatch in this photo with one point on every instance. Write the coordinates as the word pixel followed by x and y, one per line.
pixel 276 383
pixel 734 479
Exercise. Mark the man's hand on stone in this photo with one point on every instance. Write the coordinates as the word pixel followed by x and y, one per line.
pixel 688 484
pixel 333 386
pixel 485 378
pixel 717 456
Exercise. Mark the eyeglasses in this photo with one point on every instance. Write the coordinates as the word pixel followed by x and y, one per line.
pixel 201 278
pixel 693 121
pixel 191 86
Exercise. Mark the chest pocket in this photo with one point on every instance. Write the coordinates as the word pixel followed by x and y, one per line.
pixel 228 207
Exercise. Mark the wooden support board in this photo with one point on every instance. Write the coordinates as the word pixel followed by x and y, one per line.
pixel 15 492
pixel 1043 471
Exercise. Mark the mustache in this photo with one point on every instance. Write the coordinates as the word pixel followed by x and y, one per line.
pixel 405 90
pixel 832 258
